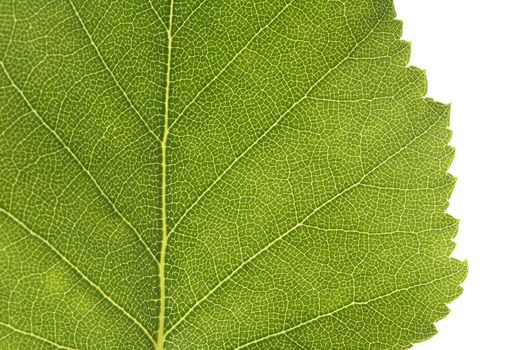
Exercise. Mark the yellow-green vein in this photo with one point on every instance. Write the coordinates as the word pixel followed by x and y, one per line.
pixel 164 244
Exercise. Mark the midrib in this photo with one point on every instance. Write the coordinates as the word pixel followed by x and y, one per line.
pixel 162 270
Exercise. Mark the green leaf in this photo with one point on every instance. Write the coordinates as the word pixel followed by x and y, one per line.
pixel 219 175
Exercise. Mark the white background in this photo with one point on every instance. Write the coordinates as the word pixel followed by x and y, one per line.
pixel 474 54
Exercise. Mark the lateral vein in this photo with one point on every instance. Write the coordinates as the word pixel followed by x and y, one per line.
pixel 262 29
pixel 344 307
pixel 275 124
pixel 30 334
pixel 77 160
pixel 300 224
pixel 77 270
pixel 126 96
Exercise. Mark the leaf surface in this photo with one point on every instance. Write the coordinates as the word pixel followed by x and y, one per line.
pixel 219 175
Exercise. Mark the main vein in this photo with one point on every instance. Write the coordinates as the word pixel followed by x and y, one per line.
pixel 164 244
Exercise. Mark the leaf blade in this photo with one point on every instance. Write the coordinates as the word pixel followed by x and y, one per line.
pixel 220 175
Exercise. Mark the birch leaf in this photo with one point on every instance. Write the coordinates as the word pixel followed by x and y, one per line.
pixel 209 174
